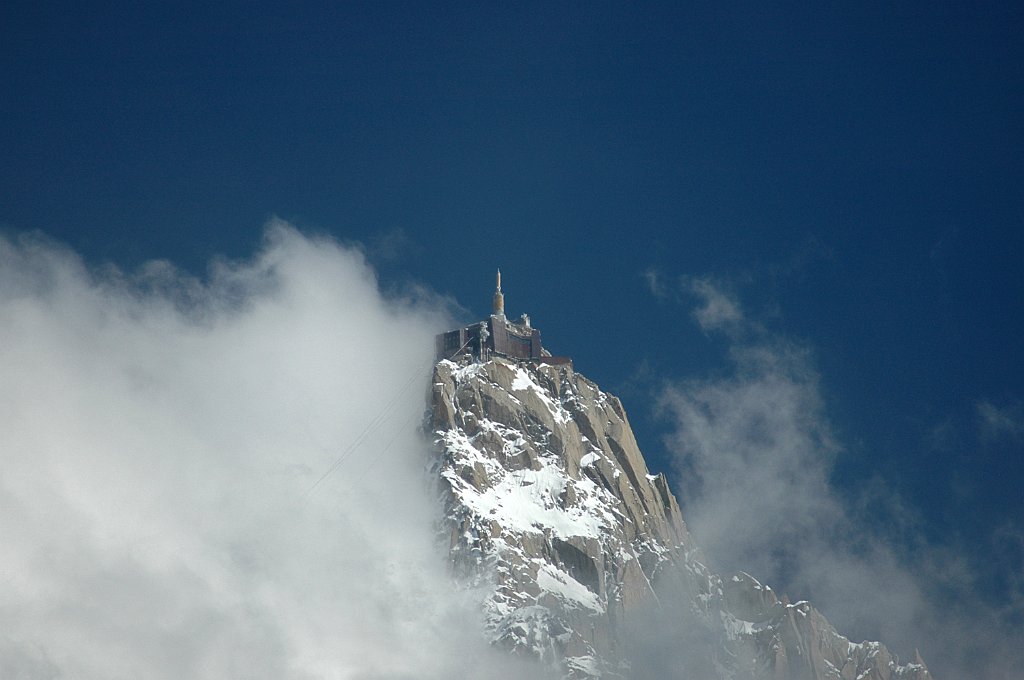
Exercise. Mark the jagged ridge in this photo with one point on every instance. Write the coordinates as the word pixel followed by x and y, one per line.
pixel 585 554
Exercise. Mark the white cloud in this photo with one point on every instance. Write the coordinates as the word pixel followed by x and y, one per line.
pixel 159 436
pixel 755 453
pixel 718 310
pixel 754 449
pixel 998 422
pixel 656 283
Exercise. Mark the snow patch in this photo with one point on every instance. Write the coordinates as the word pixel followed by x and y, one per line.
pixel 523 382
pixel 585 664
pixel 567 588
pixel 528 500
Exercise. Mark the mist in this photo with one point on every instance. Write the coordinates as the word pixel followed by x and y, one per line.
pixel 222 476
pixel 754 454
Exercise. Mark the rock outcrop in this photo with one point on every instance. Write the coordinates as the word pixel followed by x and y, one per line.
pixel 584 554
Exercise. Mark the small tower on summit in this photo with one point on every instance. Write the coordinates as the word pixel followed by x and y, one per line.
pixel 496 336
pixel 498 306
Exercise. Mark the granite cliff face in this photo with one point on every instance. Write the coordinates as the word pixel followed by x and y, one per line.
pixel 586 559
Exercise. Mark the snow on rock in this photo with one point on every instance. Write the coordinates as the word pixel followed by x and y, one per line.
pixel 567 588
pixel 550 510
pixel 528 501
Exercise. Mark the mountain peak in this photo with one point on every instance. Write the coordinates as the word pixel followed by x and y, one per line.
pixel 583 554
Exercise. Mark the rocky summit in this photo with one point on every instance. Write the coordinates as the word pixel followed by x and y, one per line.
pixel 584 556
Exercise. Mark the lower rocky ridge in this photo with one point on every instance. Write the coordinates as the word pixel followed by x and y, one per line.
pixel 585 556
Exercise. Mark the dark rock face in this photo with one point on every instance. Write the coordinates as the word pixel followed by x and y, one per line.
pixel 584 556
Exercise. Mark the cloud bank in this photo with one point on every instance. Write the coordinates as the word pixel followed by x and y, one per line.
pixel 162 440
pixel 755 451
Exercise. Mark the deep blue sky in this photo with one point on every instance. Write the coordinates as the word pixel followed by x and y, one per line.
pixel 855 174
